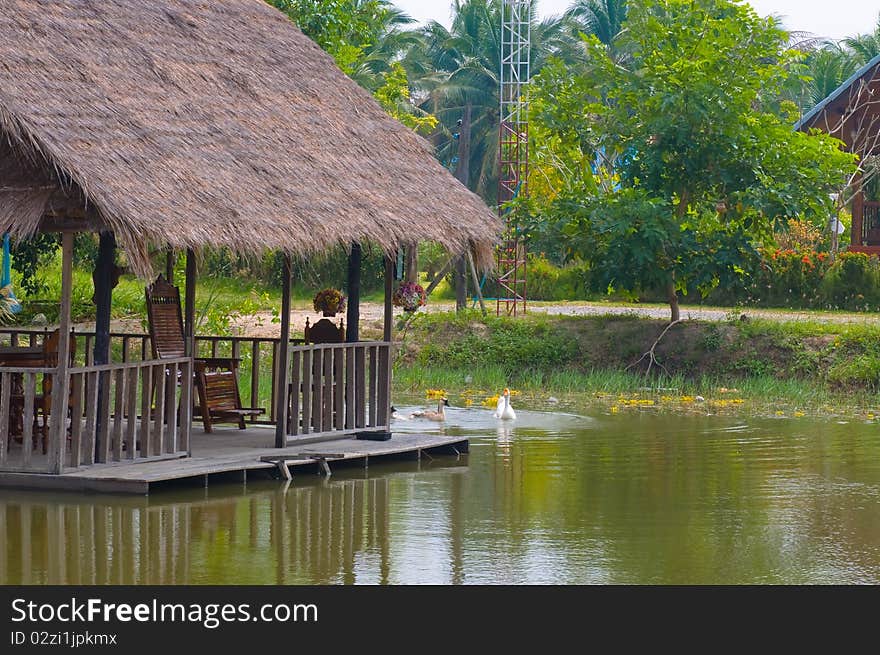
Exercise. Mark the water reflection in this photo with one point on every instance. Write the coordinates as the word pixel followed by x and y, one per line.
pixel 314 534
pixel 621 499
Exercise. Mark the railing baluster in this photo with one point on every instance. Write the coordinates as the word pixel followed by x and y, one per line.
pixel 76 409
pixel 349 387
pixel 255 374
pixel 160 375
pixel 328 405
pixel 338 389
pixel 27 418
pixel 171 409
pixel 146 405
pixel 118 418
pixel 384 387
pixel 103 433
pixel 131 408
pixel 360 387
pixel 293 418
pixel 89 442
pixel 307 391
pixel 317 390
pixel 374 368
pixel 186 406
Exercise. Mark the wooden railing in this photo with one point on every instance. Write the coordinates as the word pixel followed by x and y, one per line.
pixel 24 418
pixel 349 391
pixel 257 370
pixel 130 411
pixel 115 412
pixel 339 389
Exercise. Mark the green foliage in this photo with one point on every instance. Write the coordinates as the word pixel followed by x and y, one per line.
pixel 344 28
pixel 31 254
pixel 394 97
pixel 549 282
pixel 693 166
pixel 459 67
pixel 514 345
pixel 806 358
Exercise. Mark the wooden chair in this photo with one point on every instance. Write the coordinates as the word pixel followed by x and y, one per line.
pixel 216 378
pixel 324 332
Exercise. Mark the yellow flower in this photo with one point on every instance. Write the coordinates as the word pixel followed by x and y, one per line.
pixel 614 409
pixel 436 394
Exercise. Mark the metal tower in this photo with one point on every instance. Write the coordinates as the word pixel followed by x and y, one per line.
pixel 514 150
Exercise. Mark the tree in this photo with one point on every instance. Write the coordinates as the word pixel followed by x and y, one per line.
pixel 689 168
pixel 457 73
pixel 864 47
pixel 344 28
pixel 602 18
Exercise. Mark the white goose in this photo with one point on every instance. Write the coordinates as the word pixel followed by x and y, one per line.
pixel 504 409
pixel 439 415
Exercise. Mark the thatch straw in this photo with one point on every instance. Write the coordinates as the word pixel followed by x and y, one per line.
pixel 187 123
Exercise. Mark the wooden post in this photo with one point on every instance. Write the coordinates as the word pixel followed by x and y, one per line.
pixel 189 310
pixel 103 296
pixel 281 362
pixel 189 343
pixel 101 353
pixel 353 313
pixel 61 383
pixel 389 291
pixel 169 266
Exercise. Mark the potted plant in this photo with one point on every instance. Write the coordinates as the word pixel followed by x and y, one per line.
pixel 410 296
pixel 329 302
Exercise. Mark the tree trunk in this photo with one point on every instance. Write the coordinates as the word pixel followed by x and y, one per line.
pixel 460 283
pixel 672 296
pixel 462 173
pixel 412 263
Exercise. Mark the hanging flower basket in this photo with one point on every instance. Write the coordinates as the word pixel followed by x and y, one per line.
pixel 410 296
pixel 329 302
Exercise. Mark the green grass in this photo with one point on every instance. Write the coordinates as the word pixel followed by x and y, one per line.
pixel 760 395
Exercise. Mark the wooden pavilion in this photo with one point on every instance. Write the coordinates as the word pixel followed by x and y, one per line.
pixel 852 114
pixel 181 124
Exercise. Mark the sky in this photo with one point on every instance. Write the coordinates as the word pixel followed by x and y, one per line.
pixel 833 20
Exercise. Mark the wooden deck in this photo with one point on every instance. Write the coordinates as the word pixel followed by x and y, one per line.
pixel 230 453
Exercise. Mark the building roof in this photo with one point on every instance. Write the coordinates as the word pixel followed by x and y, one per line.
pixel 811 116
pixel 186 123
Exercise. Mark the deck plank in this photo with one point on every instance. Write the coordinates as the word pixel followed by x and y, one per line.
pixel 228 450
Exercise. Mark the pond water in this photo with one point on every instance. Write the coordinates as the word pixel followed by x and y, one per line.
pixel 633 497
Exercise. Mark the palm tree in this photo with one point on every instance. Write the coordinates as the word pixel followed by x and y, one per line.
pixel 827 69
pixel 602 18
pixel 864 47
pixel 457 74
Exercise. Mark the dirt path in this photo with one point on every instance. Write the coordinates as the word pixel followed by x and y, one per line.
pixel 261 324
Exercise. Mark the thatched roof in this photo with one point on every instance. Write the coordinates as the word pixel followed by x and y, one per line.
pixel 187 123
